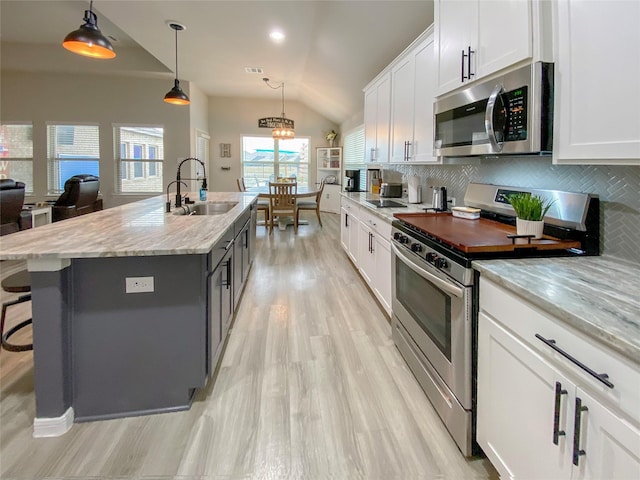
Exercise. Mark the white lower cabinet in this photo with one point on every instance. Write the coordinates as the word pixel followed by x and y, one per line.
pixel 349 228
pixel 375 256
pixel 540 416
pixel 366 239
pixel 330 201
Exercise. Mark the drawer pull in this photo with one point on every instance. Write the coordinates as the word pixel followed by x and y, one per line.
pixel 556 414
pixel 602 377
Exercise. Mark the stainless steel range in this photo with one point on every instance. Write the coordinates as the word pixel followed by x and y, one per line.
pixel 435 290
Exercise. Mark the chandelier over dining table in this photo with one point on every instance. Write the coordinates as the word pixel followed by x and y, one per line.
pixel 283 127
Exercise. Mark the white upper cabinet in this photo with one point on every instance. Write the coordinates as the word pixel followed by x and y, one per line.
pixel 597 72
pixel 455 30
pixel 377 108
pixel 412 96
pixel 476 38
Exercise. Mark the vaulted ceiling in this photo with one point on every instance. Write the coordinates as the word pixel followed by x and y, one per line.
pixel 331 51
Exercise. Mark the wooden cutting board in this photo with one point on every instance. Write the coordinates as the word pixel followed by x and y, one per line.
pixel 478 236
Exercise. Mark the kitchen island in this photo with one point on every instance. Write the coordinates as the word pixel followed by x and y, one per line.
pixel 126 317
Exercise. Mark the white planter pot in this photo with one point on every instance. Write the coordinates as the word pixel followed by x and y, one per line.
pixel 529 227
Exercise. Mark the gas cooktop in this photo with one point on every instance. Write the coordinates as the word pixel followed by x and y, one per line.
pixel 382 203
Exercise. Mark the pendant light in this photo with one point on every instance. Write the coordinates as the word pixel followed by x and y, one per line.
pixel 284 128
pixel 176 96
pixel 88 39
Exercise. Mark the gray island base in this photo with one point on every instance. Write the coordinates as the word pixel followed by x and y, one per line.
pixel 102 353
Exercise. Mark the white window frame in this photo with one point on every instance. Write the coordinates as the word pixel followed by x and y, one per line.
pixel 29 184
pixel 54 182
pixel 276 159
pixel 159 161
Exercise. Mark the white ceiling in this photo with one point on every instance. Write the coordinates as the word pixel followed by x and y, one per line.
pixel 332 48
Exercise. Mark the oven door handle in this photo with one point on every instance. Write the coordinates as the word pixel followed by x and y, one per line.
pixel 443 284
pixel 488 119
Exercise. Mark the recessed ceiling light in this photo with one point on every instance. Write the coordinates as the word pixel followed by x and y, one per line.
pixel 277 36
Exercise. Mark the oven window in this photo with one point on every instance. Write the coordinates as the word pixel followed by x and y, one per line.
pixel 429 306
pixel 462 126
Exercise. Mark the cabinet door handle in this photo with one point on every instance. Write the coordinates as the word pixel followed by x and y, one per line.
pixel 469 62
pixel 462 77
pixel 228 282
pixel 602 377
pixel 346 220
pixel 577 453
pixel 556 414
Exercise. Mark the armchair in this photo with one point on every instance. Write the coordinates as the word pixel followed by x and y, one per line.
pixel 80 197
pixel 11 201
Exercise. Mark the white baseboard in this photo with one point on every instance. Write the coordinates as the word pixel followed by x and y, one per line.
pixel 53 427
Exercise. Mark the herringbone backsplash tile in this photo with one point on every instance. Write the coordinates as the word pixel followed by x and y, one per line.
pixel 617 186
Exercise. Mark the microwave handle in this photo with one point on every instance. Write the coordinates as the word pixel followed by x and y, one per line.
pixel 488 118
pixel 443 284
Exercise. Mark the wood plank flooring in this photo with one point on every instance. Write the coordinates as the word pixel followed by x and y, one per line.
pixel 310 387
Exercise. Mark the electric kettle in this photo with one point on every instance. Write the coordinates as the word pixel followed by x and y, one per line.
pixel 439 199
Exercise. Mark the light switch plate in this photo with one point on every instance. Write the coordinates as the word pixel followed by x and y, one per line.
pixel 138 284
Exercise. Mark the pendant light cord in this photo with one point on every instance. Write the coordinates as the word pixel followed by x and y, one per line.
pixel 266 80
pixel 176 30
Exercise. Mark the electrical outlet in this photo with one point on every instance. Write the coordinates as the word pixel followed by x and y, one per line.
pixel 138 284
pixel 453 201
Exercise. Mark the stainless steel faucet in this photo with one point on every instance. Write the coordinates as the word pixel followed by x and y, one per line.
pixel 178 179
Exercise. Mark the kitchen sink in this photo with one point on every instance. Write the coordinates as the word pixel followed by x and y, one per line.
pixel 205 208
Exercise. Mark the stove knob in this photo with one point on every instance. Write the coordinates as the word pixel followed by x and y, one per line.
pixel 404 239
pixel 397 235
pixel 441 263
pixel 431 257
pixel 416 247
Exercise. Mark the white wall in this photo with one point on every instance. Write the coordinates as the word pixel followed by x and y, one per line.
pixel 229 118
pixel 101 99
pixel 109 100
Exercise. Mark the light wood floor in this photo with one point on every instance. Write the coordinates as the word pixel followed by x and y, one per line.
pixel 310 387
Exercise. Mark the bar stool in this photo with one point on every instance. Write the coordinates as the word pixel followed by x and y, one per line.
pixel 17 283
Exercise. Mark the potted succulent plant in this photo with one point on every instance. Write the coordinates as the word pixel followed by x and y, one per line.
pixel 530 211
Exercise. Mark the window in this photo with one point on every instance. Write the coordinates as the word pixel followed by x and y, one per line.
pixel 16 153
pixel 71 150
pixel 264 159
pixel 354 146
pixel 153 155
pixel 140 160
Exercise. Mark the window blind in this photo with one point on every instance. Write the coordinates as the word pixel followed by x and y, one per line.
pixel 353 151
pixel 71 150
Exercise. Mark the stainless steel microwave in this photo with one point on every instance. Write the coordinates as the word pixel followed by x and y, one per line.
pixel 509 114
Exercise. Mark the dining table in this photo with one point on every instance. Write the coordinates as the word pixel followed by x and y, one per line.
pixel 284 221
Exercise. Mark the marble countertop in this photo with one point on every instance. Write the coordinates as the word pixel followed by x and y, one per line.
pixel 596 295
pixel 385 213
pixel 136 229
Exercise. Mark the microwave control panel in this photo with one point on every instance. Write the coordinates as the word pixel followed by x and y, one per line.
pixel 516 104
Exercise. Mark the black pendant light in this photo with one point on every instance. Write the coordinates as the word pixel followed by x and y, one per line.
pixel 88 39
pixel 176 96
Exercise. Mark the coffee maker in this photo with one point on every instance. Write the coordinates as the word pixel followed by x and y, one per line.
pixel 352 180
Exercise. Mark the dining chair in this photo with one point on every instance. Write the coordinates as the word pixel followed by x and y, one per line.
pixel 282 198
pixel 311 204
pixel 261 205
